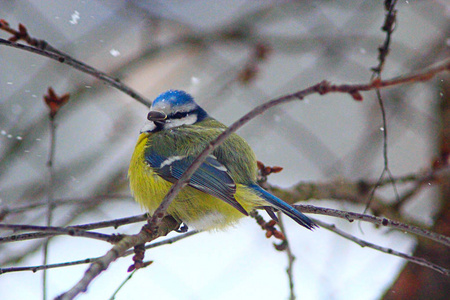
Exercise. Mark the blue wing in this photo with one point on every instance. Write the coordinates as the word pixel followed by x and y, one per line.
pixel 211 177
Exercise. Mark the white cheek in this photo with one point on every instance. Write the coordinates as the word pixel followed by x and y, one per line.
pixel 148 126
pixel 188 120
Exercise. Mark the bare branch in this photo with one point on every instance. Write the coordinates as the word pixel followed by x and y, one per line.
pixel 388 27
pixel 290 256
pixel 49 231
pixel 4 211
pixel 351 216
pixel 34 269
pixel 54 103
pixel 68 60
pixel 113 223
pixel 91 260
pixel 117 251
pixel 362 243
pixel 52 231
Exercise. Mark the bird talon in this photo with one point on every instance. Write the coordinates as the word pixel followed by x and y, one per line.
pixel 182 229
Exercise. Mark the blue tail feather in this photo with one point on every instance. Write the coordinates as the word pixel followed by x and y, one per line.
pixel 284 207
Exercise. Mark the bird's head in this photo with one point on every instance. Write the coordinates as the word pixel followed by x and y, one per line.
pixel 171 109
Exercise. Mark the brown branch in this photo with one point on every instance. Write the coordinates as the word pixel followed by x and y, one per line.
pixel 388 27
pixel 101 264
pixel 23 35
pixel 91 260
pixel 356 191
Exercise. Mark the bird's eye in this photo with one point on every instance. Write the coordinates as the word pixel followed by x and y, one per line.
pixel 179 115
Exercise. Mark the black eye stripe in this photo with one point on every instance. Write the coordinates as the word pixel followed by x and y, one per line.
pixel 178 115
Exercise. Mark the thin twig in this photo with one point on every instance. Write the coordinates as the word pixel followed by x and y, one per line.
pixel 34 269
pixel 388 27
pixel 422 177
pixel 351 216
pixel 50 196
pixel 167 241
pixel 114 223
pixel 290 256
pixel 386 169
pixel 47 232
pixel 68 60
pixel 362 243
pixel 91 260
pixel 113 296
pixel 52 230
pixel 4 211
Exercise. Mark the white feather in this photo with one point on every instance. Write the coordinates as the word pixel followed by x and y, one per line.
pixel 148 126
pixel 188 120
pixel 170 160
pixel 207 221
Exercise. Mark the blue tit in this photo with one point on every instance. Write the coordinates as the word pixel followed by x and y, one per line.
pixel 224 187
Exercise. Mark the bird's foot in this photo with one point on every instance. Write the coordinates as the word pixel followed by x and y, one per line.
pixel 182 229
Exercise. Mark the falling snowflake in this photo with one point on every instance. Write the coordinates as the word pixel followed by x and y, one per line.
pixel 75 17
pixel 114 52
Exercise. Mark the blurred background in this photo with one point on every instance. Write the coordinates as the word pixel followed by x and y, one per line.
pixel 231 56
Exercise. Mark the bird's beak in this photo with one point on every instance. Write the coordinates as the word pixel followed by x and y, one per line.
pixel 156 116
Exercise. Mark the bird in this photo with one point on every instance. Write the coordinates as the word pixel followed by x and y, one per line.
pixel 222 190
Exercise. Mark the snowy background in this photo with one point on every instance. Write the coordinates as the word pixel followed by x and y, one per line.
pixel 201 47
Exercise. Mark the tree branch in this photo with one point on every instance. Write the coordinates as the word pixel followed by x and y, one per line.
pixel 351 216
pixel 46 231
pixel 362 243
pixel 91 260
pixel 68 60
pixel 117 251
